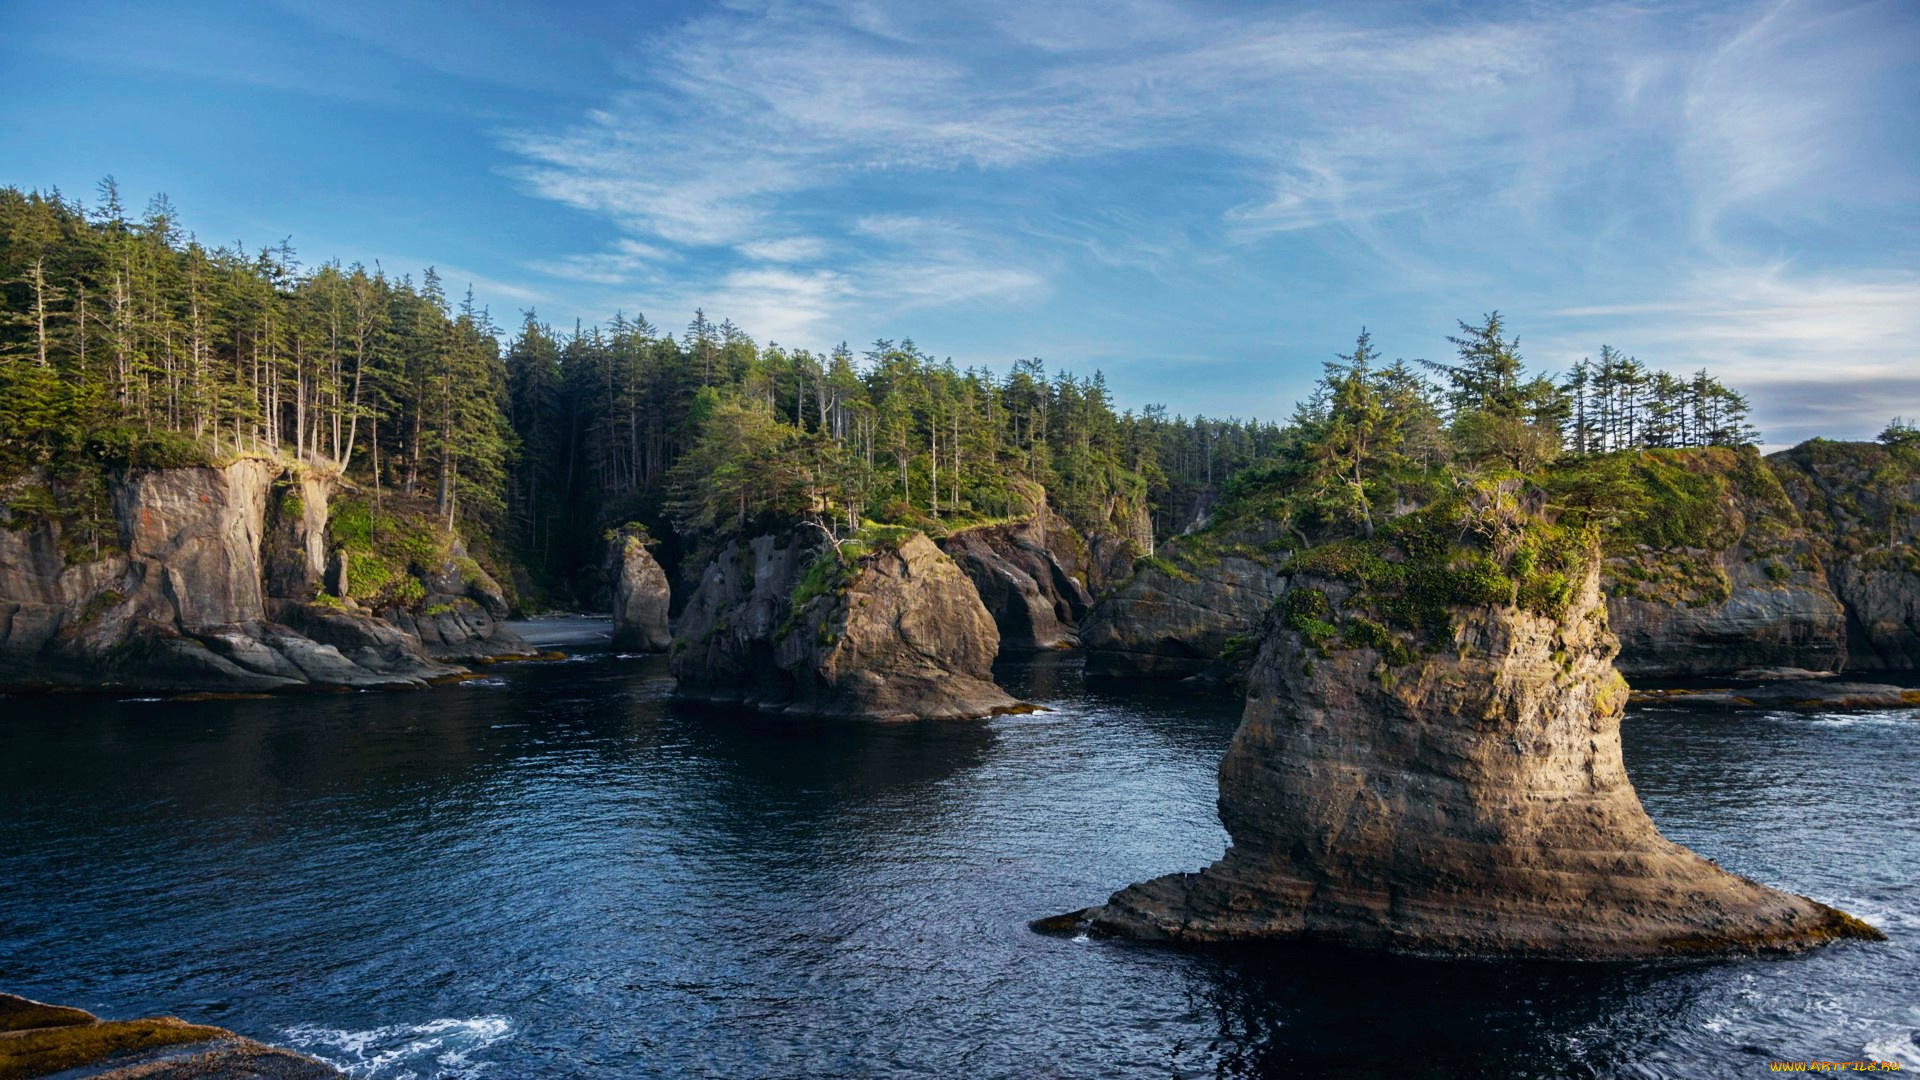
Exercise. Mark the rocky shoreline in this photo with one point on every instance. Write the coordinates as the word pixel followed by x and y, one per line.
pixel 37 1039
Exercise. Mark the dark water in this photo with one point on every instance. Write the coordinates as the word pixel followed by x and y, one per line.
pixel 557 872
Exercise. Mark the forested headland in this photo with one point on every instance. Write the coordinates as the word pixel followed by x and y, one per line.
pixel 125 341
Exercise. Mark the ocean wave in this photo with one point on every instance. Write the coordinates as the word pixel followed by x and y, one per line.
pixel 442 1049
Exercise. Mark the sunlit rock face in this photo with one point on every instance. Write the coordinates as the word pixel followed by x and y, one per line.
pixel 1017 569
pixel 1468 801
pixel 895 633
pixel 211 586
pixel 640 591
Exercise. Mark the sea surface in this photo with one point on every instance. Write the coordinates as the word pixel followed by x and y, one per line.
pixel 557 871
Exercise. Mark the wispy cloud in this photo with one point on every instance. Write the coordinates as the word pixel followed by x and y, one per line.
pixel 815 161
pixel 1832 354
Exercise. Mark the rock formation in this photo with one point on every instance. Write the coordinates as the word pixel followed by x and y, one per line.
pixel 1862 501
pixel 37 1039
pixel 1035 601
pixel 640 594
pixel 462 618
pixel 214 585
pixel 1429 762
pixel 889 629
pixel 1748 593
pixel 1182 609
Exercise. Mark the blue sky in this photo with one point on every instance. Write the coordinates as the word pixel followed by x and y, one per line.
pixel 1205 200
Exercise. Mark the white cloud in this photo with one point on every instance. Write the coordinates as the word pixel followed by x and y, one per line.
pixel 785 250
pixel 619 266
pixel 1828 354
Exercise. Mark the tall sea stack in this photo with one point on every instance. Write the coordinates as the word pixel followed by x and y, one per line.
pixel 1429 762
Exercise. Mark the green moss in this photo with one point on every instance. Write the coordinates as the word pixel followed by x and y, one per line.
pixel 50 1050
pixel 436 610
pixel 97 605
pixel 1481 547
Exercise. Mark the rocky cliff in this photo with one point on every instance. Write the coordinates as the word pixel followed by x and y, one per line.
pixel 1712 573
pixel 1429 762
pixel 639 593
pixel 1182 609
pixel 1717 573
pixel 885 628
pixel 1020 574
pixel 214 585
pixel 1863 503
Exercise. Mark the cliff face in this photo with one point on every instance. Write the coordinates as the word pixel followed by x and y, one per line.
pixel 1733 581
pixel 1036 603
pixel 1180 610
pixel 641 595
pixel 1863 501
pixel 894 633
pixel 213 588
pixel 1468 801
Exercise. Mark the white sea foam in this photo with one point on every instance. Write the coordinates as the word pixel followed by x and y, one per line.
pixel 1895 1046
pixel 496 681
pixel 440 1049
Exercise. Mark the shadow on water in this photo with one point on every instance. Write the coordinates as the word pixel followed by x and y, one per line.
pixel 1310 1011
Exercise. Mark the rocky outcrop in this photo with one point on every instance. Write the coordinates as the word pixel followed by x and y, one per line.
pixel 1182 610
pixel 1719 574
pixel 889 629
pixel 1036 603
pixel 1863 503
pixel 463 617
pixel 640 594
pixel 1731 581
pixel 1461 795
pixel 216 585
pixel 37 1039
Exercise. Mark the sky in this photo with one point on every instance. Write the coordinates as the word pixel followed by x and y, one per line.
pixel 1204 200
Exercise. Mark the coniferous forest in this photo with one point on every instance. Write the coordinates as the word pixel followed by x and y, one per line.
pixel 128 342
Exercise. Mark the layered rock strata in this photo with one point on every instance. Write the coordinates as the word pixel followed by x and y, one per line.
pixel 1036 603
pixel 640 593
pixel 1467 802
pixel 787 624
pixel 1862 501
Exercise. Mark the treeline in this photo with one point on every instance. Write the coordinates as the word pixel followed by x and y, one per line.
pixel 125 340
pixel 1374 438
pixel 713 434
pixel 127 337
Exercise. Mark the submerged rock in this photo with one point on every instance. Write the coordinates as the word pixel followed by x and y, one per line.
pixel 786 624
pixel 640 592
pixel 37 1039
pixel 1458 795
pixel 1796 695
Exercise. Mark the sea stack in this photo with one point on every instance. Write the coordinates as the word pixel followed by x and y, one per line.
pixel 1429 763
pixel 885 627
pixel 641 595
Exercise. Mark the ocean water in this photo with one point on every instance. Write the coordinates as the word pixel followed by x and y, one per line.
pixel 558 871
